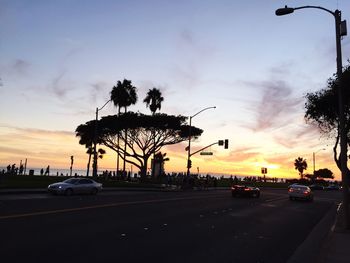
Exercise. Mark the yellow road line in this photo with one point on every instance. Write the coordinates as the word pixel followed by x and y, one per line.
pixel 93 207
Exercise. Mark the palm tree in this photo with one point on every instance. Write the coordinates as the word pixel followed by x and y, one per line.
pixel 90 151
pixel 300 165
pixel 154 100
pixel 123 95
pixel 160 158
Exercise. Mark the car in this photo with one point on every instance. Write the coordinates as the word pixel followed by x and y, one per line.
pixel 316 187
pixel 298 191
pixel 332 187
pixel 75 186
pixel 244 190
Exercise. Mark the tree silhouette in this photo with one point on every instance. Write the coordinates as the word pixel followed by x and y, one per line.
pixel 322 110
pixel 154 100
pixel 300 164
pixel 90 152
pixel 123 95
pixel 142 132
pixel 324 173
pixel 160 158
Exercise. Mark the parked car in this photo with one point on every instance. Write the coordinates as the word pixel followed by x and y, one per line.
pixel 75 186
pixel 316 187
pixel 332 187
pixel 298 191
pixel 244 190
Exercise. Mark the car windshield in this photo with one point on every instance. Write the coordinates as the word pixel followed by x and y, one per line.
pixel 71 181
pixel 299 187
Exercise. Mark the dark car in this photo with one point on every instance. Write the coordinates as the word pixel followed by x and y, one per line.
pixel 75 186
pixel 244 190
pixel 332 187
pixel 316 187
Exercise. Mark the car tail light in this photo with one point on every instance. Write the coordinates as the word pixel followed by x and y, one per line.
pixel 306 192
pixel 246 189
pixel 290 190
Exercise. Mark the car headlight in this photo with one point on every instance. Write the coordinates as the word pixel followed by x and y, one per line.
pixel 60 187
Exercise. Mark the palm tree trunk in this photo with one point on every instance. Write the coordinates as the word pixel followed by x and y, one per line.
pixel 124 149
pixel 88 165
pixel 118 147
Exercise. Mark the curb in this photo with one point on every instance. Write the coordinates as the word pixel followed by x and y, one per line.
pixel 309 250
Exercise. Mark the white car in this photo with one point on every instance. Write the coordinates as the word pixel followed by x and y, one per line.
pixel 297 191
pixel 75 186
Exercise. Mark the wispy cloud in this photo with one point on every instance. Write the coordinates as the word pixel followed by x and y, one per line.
pixel 194 55
pixel 21 66
pixel 276 106
pixel 17 67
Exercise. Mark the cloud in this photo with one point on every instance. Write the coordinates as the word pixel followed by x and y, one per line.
pixel 17 68
pixel 20 66
pixel 243 154
pixel 276 106
pixel 39 146
pixel 192 55
pixel 60 86
pixel 32 131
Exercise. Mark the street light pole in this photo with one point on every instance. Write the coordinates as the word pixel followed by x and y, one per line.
pixel 94 163
pixel 343 136
pixel 189 139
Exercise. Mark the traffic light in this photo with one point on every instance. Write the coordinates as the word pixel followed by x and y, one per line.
pixel 226 144
pixel 189 164
pixel 221 142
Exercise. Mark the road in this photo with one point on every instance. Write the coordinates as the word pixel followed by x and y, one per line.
pixel 200 226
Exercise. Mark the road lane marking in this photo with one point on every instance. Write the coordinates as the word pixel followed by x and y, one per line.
pixel 95 207
pixel 275 199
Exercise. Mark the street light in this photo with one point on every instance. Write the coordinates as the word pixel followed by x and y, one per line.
pixel 94 164
pixel 340 30
pixel 189 139
pixel 314 158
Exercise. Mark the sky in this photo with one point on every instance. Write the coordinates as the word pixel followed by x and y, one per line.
pixel 60 60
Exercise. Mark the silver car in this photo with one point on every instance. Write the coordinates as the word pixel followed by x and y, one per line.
pixel 297 191
pixel 75 186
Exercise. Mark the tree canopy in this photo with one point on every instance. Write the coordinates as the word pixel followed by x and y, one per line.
pixel 322 109
pixel 300 164
pixel 144 134
pixel 123 94
pixel 154 99
pixel 324 173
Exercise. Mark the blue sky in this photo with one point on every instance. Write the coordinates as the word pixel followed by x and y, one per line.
pixel 60 60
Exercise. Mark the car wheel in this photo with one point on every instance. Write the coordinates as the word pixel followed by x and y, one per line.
pixel 94 191
pixel 256 195
pixel 68 192
pixel 291 198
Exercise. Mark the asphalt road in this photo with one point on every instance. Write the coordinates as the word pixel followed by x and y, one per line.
pixel 201 226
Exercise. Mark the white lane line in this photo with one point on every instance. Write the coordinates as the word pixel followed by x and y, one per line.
pixel 276 199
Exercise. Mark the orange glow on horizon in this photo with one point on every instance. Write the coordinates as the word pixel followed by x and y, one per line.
pixel 43 148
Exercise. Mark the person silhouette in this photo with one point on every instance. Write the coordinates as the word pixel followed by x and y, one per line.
pixel 47 172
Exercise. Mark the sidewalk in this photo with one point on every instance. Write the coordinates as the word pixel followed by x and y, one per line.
pixel 337 246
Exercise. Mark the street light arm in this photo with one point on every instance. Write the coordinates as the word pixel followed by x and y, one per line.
pixel 98 109
pixel 213 107
pixel 317 7
pixel 288 10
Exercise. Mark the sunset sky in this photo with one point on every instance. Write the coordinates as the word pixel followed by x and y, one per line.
pixel 60 60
